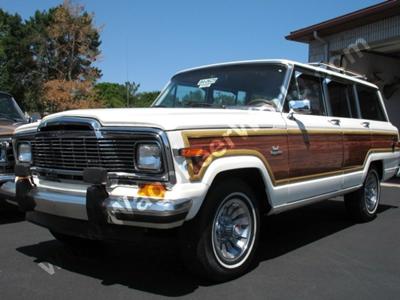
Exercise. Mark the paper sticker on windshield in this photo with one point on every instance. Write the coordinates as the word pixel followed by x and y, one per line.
pixel 205 83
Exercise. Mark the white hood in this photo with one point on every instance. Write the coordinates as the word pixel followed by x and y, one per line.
pixel 175 118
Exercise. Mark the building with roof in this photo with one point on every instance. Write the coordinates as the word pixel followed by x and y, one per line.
pixel 366 41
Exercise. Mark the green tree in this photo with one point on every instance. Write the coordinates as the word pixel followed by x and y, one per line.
pixel 115 95
pixel 145 99
pixel 71 47
pixel 41 51
pixel 131 89
pixel 72 43
pixel 47 62
pixel 43 57
pixel 15 58
pixel 112 95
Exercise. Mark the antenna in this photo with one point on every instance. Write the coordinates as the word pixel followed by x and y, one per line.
pixel 127 72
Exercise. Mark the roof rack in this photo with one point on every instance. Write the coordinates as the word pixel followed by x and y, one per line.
pixel 338 69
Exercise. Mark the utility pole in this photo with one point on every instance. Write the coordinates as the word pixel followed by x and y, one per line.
pixel 127 94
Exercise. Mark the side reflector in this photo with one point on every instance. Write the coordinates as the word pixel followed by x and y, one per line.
pixel 156 190
pixel 192 152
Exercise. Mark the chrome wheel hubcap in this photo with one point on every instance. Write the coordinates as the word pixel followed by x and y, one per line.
pixel 372 193
pixel 233 230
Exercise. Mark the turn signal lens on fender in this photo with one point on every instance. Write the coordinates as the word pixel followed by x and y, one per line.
pixel 192 152
pixel 156 190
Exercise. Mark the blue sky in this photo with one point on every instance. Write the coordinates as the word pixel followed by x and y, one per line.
pixel 147 41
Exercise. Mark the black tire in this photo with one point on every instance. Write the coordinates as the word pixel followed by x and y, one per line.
pixel 359 204
pixel 201 243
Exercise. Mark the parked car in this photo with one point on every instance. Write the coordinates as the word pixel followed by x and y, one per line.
pixel 221 146
pixel 11 117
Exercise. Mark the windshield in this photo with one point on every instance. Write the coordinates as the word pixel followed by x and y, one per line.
pixel 231 86
pixel 9 110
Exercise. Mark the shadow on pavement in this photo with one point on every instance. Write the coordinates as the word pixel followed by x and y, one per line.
pixel 294 229
pixel 156 268
pixel 10 214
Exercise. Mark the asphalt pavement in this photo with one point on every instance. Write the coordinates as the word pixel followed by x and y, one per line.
pixel 315 252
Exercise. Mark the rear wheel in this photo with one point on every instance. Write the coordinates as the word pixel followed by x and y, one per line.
pixel 220 243
pixel 363 203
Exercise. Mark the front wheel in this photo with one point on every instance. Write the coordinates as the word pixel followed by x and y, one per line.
pixel 363 203
pixel 220 243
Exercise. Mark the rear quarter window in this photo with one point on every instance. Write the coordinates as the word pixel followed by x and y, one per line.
pixel 370 104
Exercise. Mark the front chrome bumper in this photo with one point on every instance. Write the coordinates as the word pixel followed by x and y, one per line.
pixel 71 201
pixel 6 177
pixel 7 188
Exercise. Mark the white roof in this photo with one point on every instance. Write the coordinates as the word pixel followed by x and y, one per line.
pixel 286 62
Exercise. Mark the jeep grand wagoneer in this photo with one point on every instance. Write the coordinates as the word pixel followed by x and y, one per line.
pixel 221 146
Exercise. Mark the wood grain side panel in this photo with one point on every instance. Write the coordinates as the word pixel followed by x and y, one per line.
pixel 218 146
pixel 356 147
pixel 305 155
pixel 383 141
pixel 311 154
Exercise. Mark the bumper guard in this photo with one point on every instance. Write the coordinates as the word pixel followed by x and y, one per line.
pixel 95 205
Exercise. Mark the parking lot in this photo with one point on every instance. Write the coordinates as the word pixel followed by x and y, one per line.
pixel 310 253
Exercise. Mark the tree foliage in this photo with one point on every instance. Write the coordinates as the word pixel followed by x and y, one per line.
pixel 74 43
pixel 73 46
pixel 48 62
pixel 52 52
pixel 115 95
pixel 15 59
pixel 70 94
pixel 145 99
pixel 111 94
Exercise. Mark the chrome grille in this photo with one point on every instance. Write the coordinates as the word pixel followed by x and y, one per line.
pixel 8 166
pixel 10 155
pixel 63 147
pixel 115 154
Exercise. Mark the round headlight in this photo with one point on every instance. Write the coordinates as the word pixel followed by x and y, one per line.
pixel 149 157
pixel 24 153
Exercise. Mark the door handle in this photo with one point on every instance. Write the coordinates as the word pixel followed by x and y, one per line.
pixel 335 122
pixel 365 124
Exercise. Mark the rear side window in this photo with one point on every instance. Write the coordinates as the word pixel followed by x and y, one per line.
pixel 370 104
pixel 342 100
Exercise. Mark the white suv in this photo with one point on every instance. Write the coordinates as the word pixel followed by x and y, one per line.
pixel 221 146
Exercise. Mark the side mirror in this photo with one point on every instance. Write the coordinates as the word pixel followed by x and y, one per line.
pixel 35 117
pixel 300 106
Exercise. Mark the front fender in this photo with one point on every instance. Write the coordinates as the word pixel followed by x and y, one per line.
pixel 224 164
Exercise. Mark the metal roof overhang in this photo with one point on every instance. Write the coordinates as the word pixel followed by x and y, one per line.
pixel 358 18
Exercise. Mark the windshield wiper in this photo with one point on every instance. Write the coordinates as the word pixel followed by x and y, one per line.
pixel 204 104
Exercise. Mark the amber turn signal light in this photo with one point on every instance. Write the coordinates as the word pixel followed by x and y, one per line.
pixel 156 190
pixel 192 152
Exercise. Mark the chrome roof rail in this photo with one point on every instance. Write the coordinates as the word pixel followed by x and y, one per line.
pixel 338 69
